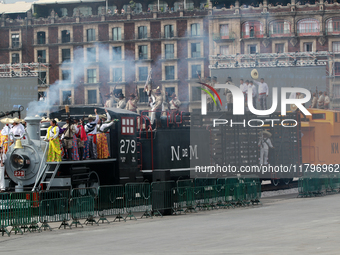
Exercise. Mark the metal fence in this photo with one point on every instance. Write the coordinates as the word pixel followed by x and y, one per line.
pixel 23 211
pixel 318 184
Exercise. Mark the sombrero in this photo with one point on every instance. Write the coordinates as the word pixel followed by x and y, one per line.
pixel 57 120
pixel 265 132
pixel 103 116
pixel 132 95
pixel 16 120
pixel 6 121
pixel 254 74
pixel 45 120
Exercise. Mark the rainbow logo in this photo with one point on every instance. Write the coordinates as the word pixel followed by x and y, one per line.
pixel 209 93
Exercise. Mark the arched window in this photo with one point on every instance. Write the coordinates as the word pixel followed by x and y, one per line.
pixel 308 27
pixel 252 29
pixel 333 26
pixel 279 28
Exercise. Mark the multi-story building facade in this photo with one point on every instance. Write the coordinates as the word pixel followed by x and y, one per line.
pixel 95 48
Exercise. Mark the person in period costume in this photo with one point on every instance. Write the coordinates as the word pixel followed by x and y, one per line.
pixel 121 101
pixel 17 131
pixel 103 136
pixel 4 134
pixel 109 100
pixel 81 138
pixel 2 169
pixel 91 130
pixel 158 105
pixel 70 140
pixel 229 95
pixel 263 93
pixel 321 100
pixel 131 105
pixel 174 107
pixel 52 137
pixel 254 92
pixel 84 138
pixel 314 101
pixel 264 144
pixel 327 100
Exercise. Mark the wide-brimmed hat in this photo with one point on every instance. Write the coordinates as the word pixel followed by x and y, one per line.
pixel 57 120
pixel 132 95
pixel 254 74
pixel 121 95
pixel 108 95
pixel 91 116
pixel 103 116
pixel 265 132
pixel 45 119
pixel 17 120
pixel 173 95
pixel 6 121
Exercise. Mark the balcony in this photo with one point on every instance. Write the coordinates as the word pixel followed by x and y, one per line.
pixel 280 33
pixel 308 32
pixel 170 35
pixel 219 37
pixel 16 45
pixel 252 34
pixel 333 32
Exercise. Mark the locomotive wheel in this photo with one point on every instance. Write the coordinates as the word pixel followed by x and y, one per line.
pixel 287 180
pixel 94 181
pixel 275 182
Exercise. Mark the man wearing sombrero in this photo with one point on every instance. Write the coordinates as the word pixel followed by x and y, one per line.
pixel 132 103
pixel 264 144
pixel 70 140
pixel 103 135
pixel 4 134
pixel 121 101
pixel 17 130
pixel 174 106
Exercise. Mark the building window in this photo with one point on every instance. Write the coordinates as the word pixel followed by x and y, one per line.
pixel 41 38
pixel 66 55
pixel 252 49
pixel 67 99
pixel 91 54
pixel 15 58
pixel 195 94
pixel 143 73
pixel 251 29
pixel 117 53
pixel 337 68
pixel 308 27
pixel 307 47
pixel 195 71
pixel 142 32
pixel 15 41
pixel 143 51
pixel 224 50
pixel 41 56
pixel 143 96
pixel 169 51
pixel 91 35
pixel 169 72
pixel 336 90
pixel 116 34
pixel 336 46
pixel 65 36
pixel 168 31
pixel 92 96
pixel 41 78
pixel 279 28
pixel 91 76
pixel 333 26
pixel 170 90
pixel 66 75
pixel 224 31
pixel 279 48
pixel 195 50
pixel 195 29
pixel 117 74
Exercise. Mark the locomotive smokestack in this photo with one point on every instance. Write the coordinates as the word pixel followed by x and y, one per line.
pixel 33 127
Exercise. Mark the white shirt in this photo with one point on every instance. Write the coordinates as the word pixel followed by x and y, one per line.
pixel 91 124
pixel 265 143
pixel 17 130
pixel 263 87
pixel 5 130
pixel 244 88
pixel 292 95
pixel 3 157
pixel 52 134
pixel 254 90
pixel 106 125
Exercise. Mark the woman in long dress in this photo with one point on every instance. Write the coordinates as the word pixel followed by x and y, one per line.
pixel 52 136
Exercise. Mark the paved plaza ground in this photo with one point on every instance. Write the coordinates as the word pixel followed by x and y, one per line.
pixel 282 225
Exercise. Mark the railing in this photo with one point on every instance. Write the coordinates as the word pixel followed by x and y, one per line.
pixel 332 31
pixel 252 34
pixel 223 36
pixel 280 33
pixel 308 32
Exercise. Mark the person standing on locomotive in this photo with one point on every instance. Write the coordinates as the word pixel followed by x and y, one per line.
pixel 264 144
pixel 84 139
pixel 132 103
pixel 254 92
pixel 2 169
pixel 81 138
pixel 229 95
pixel 108 102
pixel 314 101
pixel 70 140
pixel 103 148
pixel 91 130
pixel 4 134
pixel 327 100
pixel 52 137
pixel 321 100
pixel 263 93
pixel 17 131
pixel 158 105
pixel 174 106
pixel 121 101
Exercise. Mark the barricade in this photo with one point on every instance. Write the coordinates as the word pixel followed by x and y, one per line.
pixel 83 205
pixel 24 211
pixel 205 197
pixel 111 202
pixel 54 207
pixel 253 192
pixel 4 213
pixel 162 197
pixel 183 199
pixel 138 199
pixel 199 182
pixel 185 183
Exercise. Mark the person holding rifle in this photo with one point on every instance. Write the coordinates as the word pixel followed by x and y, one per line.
pixel 132 103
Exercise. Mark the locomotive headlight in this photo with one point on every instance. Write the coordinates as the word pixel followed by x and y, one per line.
pixel 20 161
